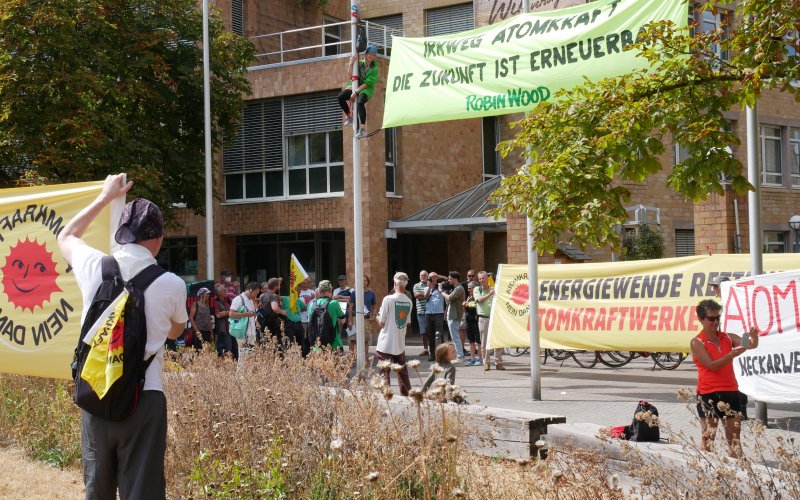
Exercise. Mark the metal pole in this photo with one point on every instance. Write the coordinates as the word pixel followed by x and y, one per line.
pixel 754 214
pixel 361 354
pixel 533 291
pixel 207 132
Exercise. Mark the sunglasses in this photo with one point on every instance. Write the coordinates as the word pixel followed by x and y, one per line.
pixel 712 318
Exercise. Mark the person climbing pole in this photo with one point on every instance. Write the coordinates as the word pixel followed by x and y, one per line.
pixel 367 78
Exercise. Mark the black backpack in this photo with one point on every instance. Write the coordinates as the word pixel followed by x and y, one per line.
pixel 645 425
pixel 361 38
pixel 122 398
pixel 320 325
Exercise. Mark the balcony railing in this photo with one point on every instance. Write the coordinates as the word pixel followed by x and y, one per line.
pixel 327 40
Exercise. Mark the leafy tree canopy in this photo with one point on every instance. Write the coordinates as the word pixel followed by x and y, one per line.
pixel 91 87
pixel 591 137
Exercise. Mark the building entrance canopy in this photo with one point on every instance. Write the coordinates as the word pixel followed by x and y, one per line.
pixel 465 211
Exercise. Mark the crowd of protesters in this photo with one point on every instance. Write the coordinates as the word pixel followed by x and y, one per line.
pixel 447 310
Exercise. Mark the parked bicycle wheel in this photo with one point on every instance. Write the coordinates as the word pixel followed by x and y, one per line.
pixel 615 359
pixel 558 354
pixel 586 359
pixel 668 360
pixel 516 351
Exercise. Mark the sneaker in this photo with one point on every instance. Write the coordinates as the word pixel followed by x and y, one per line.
pixel 486 367
pixel 362 132
pixel 424 353
pixel 348 122
pixel 466 353
pixel 499 366
pixel 475 362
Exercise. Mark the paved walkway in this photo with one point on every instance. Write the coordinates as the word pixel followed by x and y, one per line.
pixel 601 395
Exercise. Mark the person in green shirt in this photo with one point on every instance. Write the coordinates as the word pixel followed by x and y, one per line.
pixel 367 78
pixel 484 295
pixel 325 292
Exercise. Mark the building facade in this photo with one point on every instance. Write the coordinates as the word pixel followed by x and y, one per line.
pixel 285 182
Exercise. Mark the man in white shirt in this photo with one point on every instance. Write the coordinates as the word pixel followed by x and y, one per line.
pixel 393 319
pixel 128 454
pixel 246 299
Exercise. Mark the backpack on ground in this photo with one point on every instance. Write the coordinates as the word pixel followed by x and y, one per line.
pixel 109 370
pixel 644 427
pixel 320 325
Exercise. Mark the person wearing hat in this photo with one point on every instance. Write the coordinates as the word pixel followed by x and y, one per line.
pixel 368 73
pixel 393 318
pixel 128 455
pixel 325 291
pixel 200 318
pixel 715 283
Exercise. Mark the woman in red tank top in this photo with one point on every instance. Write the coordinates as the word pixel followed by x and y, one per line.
pixel 717 390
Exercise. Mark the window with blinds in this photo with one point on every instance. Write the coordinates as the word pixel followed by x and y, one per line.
pixel 684 242
pixel 237 16
pixel 380 31
pixel 286 147
pixel 447 20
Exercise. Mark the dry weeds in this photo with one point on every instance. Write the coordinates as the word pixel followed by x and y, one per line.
pixel 280 426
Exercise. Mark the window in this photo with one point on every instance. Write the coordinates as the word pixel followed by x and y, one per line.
pixel 179 256
pixel 389 135
pixel 771 155
pixel 237 16
pixel 333 36
pixel 684 242
pixel 286 147
pixel 775 241
pixel 491 157
pixel 709 22
pixel 380 31
pixel 794 156
pixel 315 163
pixel 447 20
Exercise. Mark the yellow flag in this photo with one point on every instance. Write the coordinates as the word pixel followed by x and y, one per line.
pixel 103 364
pixel 296 276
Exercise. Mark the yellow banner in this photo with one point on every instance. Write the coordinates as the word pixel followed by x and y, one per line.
pixel 628 306
pixel 40 303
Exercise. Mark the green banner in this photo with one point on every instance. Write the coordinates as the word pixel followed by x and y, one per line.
pixel 513 65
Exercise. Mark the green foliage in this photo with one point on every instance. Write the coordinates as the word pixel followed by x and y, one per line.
pixel 38 415
pixel 644 244
pixel 590 138
pixel 92 87
pixel 221 479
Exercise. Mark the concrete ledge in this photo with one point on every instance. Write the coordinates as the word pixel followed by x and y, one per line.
pixel 673 458
pixel 509 434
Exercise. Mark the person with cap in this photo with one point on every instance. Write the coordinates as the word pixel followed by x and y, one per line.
pixel 368 74
pixel 325 295
pixel 128 455
pixel 200 318
pixel 715 283
pixel 393 318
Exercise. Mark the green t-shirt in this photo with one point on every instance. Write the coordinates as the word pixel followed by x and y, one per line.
pixel 335 310
pixel 485 307
pixel 301 306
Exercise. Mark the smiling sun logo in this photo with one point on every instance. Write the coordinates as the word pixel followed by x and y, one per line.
pixel 29 275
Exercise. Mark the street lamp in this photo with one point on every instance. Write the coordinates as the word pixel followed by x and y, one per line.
pixel 794 223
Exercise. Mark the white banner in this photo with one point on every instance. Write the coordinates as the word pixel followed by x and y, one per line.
pixel 771 303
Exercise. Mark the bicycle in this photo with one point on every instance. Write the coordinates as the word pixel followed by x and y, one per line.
pixel 668 360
